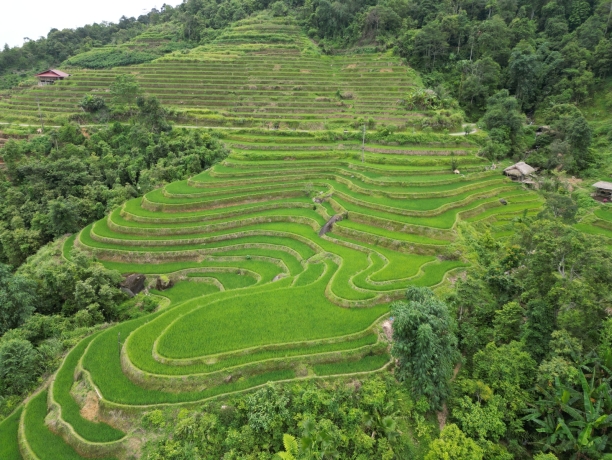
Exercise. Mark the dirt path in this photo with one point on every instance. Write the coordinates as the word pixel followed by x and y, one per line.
pixel 471 125
pixel 443 414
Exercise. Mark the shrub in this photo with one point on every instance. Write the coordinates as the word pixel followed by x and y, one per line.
pixel 18 360
pixel 92 104
pixel 106 58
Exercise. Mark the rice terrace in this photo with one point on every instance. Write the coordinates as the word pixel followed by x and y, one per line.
pixel 280 262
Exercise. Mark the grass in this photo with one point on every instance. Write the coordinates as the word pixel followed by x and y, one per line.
pixel 9 445
pixel 91 431
pixel 278 321
pixel 44 443
pixel 290 298
pixel 365 364
pixel 287 314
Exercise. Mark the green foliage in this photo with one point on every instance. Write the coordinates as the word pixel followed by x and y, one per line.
pixel 154 419
pixel 152 114
pixel 18 363
pixel 70 286
pixel 504 121
pixel 425 99
pixel 59 190
pixel 17 299
pixel 480 80
pixel 92 103
pixel 517 295
pixel 570 138
pixel 575 416
pixel 424 344
pixel 559 207
pixel 291 448
pixel 125 91
pixel 298 421
pixel 507 322
pixel 110 57
pixel 454 444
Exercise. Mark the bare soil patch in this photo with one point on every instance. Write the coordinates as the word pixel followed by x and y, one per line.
pixel 387 328
pixel 91 409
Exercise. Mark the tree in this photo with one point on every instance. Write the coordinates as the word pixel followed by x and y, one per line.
pixel 575 418
pixel 602 58
pixel 569 272
pixel 454 445
pixel 18 360
pixel 91 103
pixel 480 79
pixel 431 43
pixel 508 322
pixel 524 69
pixel 539 327
pixel 152 114
pixel 17 299
pixel 424 344
pixel 569 126
pixel 64 216
pixel 125 90
pixel 559 206
pixel 504 119
pixel 510 372
pixel 483 419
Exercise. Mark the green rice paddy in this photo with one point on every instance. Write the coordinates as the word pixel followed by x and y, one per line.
pixel 9 443
pixel 261 293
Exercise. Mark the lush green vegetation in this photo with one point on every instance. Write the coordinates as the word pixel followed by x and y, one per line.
pixel 347 225
pixel 43 442
pixel 58 183
pixel 9 447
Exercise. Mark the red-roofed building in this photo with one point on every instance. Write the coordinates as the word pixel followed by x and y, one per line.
pixel 50 76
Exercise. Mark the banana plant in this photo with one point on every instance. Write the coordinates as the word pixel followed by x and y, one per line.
pixel 383 423
pixel 576 420
pixel 317 443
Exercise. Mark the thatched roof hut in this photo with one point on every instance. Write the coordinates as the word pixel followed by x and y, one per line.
pixel 603 189
pixel 519 171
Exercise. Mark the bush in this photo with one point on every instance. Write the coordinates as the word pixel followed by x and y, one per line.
pixel 18 360
pixel 105 58
pixel 92 104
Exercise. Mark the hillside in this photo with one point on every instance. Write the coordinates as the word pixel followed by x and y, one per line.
pixel 325 192
pixel 258 72
pixel 269 296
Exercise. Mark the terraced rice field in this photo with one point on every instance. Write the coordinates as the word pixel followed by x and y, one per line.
pixel 267 290
pixel 260 72
pixel 265 295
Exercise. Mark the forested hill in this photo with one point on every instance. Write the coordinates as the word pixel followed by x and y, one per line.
pixel 543 52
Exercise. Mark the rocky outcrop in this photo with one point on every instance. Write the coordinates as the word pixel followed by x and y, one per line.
pixel 163 283
pixel 330 223
pixel 134 283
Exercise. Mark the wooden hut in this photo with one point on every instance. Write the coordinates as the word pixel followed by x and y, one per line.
pixel 603 189
pixel 50 76
pixel 520 172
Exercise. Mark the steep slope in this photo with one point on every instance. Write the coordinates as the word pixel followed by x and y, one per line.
pixel 260 72
pixel 262 293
